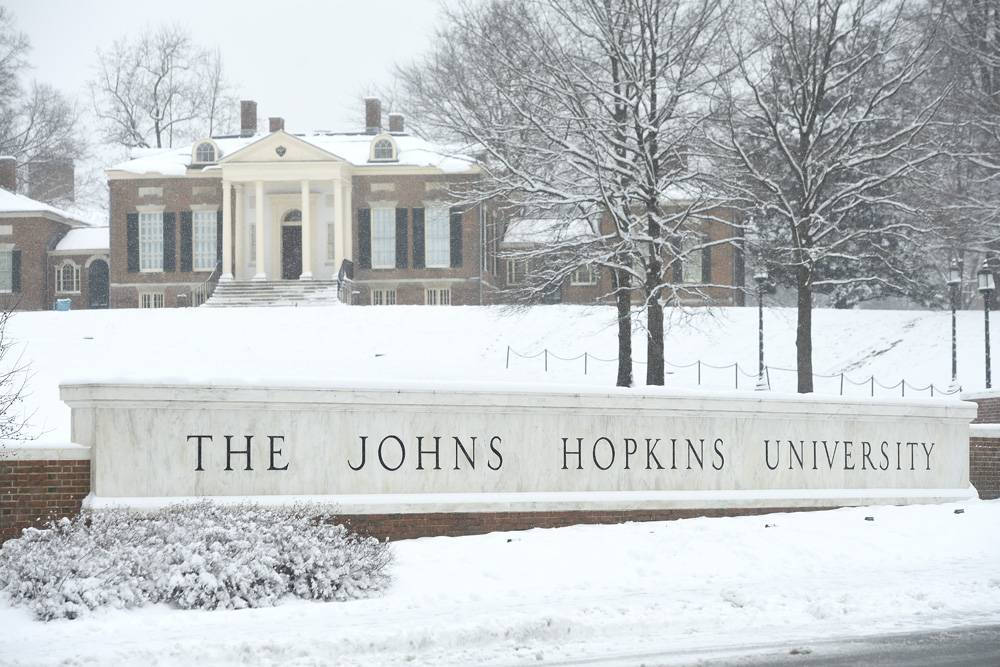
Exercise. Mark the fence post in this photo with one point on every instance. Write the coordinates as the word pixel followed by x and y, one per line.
pixel 903 385
pixel 736 367
pixel 932 390
pixel 546 360
pixel 699 372
pixel 584 363
pixel 508 357
pixel 841 384
pixel 873 386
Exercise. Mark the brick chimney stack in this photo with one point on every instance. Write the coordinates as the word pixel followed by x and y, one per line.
pixel 277 123
pixel 373 115
pixel 396 122
pixel 248 118
pixel 8 173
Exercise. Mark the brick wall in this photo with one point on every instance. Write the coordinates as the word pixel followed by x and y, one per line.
pixel 984 466
pixel 34 236
pixel 989 406
pixel 35 491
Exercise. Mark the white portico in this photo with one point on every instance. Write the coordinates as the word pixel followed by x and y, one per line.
pixel 286 211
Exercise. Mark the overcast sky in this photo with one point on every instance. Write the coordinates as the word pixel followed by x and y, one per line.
pixel 308 61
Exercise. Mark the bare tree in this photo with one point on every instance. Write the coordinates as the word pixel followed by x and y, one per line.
pixel 38 124
pixel 585 112
pixel 158 89
pixel 817 137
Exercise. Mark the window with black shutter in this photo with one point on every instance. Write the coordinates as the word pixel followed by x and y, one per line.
pixel 706 264
pixel 187 247
pixel 402 243
pixel 169 242
pixel 364 238
pixel 132 241
pixel 15 271
pixel 456 238
pixel 418 238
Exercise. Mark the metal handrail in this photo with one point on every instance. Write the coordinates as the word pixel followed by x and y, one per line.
pixel 203 292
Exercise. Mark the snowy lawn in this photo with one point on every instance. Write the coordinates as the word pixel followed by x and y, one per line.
pixel 348 346
pixel 560 594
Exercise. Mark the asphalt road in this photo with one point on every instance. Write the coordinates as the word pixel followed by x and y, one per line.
pixel 974 646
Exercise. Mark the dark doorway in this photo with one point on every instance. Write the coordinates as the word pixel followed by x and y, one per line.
pixel 97 284
pixel 291 252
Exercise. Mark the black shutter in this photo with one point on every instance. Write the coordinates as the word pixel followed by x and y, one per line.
pixel 418 238
pixel 456 238
pixel 364 238
pixel 169 242
pixel 187 245
pixel 132 241
pixel 218 238
pixel 402 244
pixel 706 265
pixel 15 271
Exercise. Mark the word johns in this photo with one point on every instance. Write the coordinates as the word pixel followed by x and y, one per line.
pixel 847 454
pixel 391 452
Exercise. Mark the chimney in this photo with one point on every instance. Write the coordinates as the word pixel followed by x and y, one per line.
pixel 395 122
pixel 248 118
pixel 277 123
pixel 373 115
pixel 8 173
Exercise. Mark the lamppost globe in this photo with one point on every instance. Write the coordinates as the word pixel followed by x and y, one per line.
pixel 954 273
pixel 760 277
pixel 985 278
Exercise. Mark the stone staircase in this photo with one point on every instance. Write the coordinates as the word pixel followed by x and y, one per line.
pixel 243 293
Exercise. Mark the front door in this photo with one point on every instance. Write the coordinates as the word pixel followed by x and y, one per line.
pixel 291 252
pixel 97 284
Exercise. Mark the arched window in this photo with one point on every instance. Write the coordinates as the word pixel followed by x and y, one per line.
pixel 68 277
pixel 205 152
pixel 295 215
pixel 383 150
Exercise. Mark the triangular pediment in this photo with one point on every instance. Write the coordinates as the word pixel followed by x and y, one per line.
pixel 280 147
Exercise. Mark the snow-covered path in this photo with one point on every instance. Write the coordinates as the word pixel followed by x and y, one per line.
pixel 563 594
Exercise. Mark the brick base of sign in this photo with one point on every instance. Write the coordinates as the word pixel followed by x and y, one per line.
pixel 34 492
pixel 407 526
pixel 984 466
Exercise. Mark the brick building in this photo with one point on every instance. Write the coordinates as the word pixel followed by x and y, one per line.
pixel 369 215
pixel 47 253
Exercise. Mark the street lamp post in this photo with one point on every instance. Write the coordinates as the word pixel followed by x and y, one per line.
pixel 986 287
pixel 760 277
pixel 954 282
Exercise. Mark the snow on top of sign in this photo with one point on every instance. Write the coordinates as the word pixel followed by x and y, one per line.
pixel 11 202
pixel 354 148
pixel 86 238
pixel 547 231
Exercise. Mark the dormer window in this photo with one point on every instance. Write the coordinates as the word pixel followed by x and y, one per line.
pixel 383 149
pixel 205 153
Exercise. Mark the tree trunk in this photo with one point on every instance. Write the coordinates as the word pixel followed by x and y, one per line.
pixel 654 342
pixel 803 332
pixel 624 306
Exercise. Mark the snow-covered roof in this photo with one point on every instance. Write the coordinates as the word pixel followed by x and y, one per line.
pixel 354 148
pixel 85 238
pixel 11 202
pixel 543 231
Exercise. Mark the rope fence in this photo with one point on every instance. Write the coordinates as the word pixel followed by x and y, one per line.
pixel 871 383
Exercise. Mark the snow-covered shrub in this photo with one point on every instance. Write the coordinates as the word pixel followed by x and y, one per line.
pixel 200 556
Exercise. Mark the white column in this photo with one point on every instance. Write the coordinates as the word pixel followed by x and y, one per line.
pixel 258 207
pixel 345 222
pixel 227 232
pixel 307 262
pixel 240 232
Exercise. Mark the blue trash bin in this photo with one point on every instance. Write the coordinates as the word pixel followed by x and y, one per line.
pixel 63 304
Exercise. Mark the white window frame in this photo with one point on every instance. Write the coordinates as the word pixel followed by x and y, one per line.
pixel 691 260
pixel 590 278
pixel 204 251
pixel 437 237
pixel 151 241
pixel 377 141
pixel 151 300
pixel 216 153
pixel 384 297
pixel 512 271
pixel 7 269
pixel 74 283
pixel 383 237
pixel 437 296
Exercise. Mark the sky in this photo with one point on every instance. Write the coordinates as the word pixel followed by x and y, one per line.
pixel 309 62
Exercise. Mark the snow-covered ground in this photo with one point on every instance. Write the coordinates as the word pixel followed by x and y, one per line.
pixel 388 345
pixel 542 596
